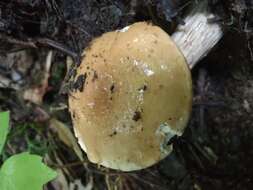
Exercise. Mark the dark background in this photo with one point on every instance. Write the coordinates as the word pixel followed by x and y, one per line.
pixel 215 151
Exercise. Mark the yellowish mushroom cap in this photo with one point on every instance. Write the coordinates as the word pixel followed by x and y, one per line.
pixel 134 94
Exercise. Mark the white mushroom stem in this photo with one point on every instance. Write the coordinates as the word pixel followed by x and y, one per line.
pixel 197 36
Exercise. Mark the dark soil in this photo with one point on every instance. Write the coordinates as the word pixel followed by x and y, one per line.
pixel 216 150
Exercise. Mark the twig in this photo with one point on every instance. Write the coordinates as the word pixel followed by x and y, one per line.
pixel 57 46
pixel 201 89
pixel 35 43
pixel 210 104
pixel 198 160
pixel 12 40
pixel 69 165
pixel 250 50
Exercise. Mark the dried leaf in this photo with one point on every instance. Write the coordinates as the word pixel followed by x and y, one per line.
pixel 37 93
pixel 66 136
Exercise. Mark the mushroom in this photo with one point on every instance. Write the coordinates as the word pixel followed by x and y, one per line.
pixel 133 91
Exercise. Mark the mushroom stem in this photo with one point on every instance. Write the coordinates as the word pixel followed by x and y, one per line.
pixel 197 36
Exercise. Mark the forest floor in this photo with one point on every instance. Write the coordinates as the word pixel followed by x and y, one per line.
pixel 40 39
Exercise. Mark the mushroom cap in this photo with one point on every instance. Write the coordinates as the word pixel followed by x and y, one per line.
pixel 133 94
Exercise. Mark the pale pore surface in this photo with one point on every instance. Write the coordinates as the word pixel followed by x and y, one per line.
pixel 137 95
